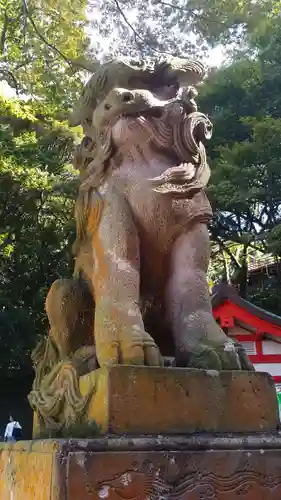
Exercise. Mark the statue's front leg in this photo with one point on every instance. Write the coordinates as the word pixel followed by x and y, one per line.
pixel 199 340
pixel 120 336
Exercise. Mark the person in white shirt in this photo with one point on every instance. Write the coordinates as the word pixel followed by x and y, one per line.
pixel 13 428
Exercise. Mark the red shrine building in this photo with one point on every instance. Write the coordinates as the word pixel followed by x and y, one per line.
pixel 256 329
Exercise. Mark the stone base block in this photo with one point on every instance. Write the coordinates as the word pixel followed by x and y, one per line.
pixel 232 467
pixel 129 399
pixel 28 471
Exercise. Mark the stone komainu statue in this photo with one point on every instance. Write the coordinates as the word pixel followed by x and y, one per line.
pixel 139 288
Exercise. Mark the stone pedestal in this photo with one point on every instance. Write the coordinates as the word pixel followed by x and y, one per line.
pixel 164 437
pixel 162 400
pixel 130 399
pixel 198 467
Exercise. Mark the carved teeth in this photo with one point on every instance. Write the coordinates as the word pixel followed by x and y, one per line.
pixel 153 112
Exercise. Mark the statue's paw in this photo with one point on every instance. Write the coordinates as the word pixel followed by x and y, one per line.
pixel 131 348
pixel 233 356
pixel 152 355
pixel 204 357
pixel 224 356
pixel 245 363
pixel 140 349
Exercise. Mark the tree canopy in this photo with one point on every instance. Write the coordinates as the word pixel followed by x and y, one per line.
pixel 177 26
pixel 40 44
pixel 36 227
pixel 244 103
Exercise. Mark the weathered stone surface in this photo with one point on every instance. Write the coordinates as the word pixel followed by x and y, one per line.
pixel 217 475
pixel 200 467
pixel 28 470
pixel 174 400
pixel 139 289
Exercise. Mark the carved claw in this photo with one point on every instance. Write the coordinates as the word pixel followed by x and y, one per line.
pixel 227 356
pixel 137 348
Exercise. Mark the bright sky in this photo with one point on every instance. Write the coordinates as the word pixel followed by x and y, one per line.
pixel 216 56
pixel 6 90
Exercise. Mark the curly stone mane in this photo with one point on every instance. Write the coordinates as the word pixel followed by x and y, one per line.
pixel 181 180
pixel 91 158
pixel 95 156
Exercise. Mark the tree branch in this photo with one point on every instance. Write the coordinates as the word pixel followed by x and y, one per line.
pixel 225 265
pixel 3 34
pixel 46 42
pixel 42 38
pixel 190 11
pixel 138 38
pixel 10 79
pixel 229 253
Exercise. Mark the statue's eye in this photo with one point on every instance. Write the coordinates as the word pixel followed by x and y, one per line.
pixel 127 97
pixel 107 106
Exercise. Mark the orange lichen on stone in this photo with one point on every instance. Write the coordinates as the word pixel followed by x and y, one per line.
pixel 36 426
pixel 164 400
pixel 98 409
pixel 27 471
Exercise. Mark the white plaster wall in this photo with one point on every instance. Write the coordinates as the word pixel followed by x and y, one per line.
pixel 271 347
pixel 250 347
pixel 273 369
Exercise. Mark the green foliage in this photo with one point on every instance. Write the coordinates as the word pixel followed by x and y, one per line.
pixel 244 103
pixel 39 40
pixel 36 226
pixel 40 43
pixel 266 293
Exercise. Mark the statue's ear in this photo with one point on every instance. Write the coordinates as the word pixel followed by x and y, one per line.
pixel 86 64
pixel 74 120
pixel 83 109
pixel 188 71
pixel 80 114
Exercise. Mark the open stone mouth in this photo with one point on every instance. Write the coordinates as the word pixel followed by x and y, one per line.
pixel 153 112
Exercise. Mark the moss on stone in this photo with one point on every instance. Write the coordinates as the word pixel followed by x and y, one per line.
pixel 77 430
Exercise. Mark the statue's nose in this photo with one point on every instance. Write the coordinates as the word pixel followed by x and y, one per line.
pixel 122 96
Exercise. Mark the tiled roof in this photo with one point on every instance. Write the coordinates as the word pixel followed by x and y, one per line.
pixel 224 292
